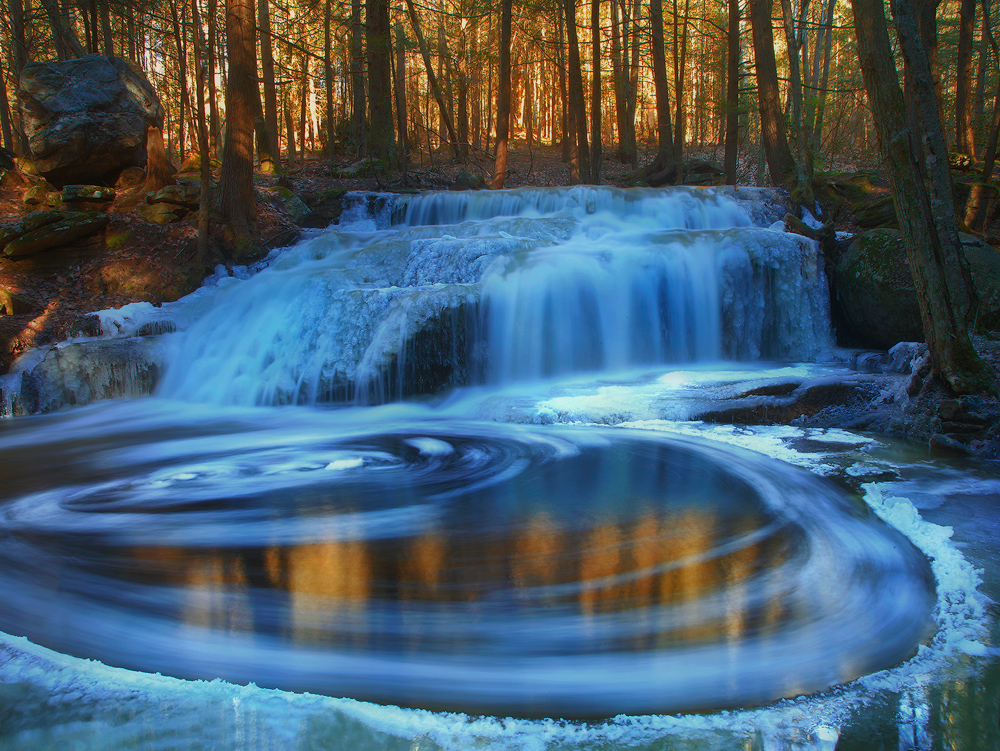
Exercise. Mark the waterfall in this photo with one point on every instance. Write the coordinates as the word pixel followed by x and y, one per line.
pixel 411 294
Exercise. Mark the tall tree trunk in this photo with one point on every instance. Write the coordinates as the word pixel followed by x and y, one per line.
pixel 236 198
pixel 463 91
pixel 503 98
pixel 204 156
pixel 381 132
pixel 577 107
pixel 596 147
pixel 67 44
pixel 331 120
pixel 399 86
pixel 214 128
pixel 432 78
pixel 106 34
pixel 931 245
pixel 304 101
pixel 803 159
pixel 267 135
pixel 5 129
pixel 181 76
pixel 780 163
pixel 680 63
pixel 824 79
pixel 965 134
pixel 733 93
pixel 566 140
pixel 357 81
pixel 664 129
pixel 976 208
pixel 620 81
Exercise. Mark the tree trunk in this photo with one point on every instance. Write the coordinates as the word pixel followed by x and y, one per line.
pixel 158 169
pixel 824 80
pixel 976 208
pixel 580 168
pixel 780 163
pixel 5 129
pixel 503 98
pixel 664 129
pixel 181 76
pixel 399 86
pixel 381 133
pixel 267 138
pixel 357 81
pixel 596 147
pixel 680 63
pixel 803 172
pixel 965 134
pixel 106 35
pixel 331 120
pixel 67 44
pixel 432 78
pixel 204 156
pixel 236 198
pixel 733 93
pixel 214 128
pixel 931 246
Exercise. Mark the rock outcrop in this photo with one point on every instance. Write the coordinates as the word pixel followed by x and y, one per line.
pixel 877 297
pixel 86 119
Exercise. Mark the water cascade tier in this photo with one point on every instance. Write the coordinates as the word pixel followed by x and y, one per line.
pixel 413 294
pixel 444 563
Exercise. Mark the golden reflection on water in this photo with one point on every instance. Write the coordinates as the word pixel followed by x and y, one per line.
pixel 682 575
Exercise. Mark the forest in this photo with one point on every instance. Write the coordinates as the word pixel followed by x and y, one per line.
pixel 411 83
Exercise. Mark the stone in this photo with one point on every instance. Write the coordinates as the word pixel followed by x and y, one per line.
pixel 290 203
pixel 86 119
pixel 879 213
pixel 68 229
pixel 183 195
pixel 130 177
pixel 875 291
pixel 87 193
pixel 163 213
pixel 465 180
pixel 37 195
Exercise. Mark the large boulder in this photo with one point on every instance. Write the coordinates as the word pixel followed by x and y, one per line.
pixel 86 119
pixel 877 296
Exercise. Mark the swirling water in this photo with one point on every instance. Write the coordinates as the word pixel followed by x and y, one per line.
pixel 457 557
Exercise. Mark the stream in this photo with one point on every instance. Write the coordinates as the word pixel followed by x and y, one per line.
pixel 434 478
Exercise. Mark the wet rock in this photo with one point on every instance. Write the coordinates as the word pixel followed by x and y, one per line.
pixel 86 119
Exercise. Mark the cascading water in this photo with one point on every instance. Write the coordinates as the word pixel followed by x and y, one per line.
pixel 474 288
pixel 257 522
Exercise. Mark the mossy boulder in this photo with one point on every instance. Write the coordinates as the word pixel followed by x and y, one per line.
pixel 87 197
pixel 290 203
pixel 12 304
pixel 66 229
pixel 877 296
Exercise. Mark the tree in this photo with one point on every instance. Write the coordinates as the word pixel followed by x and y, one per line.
pixel 664 129
pixel 780 163
pixel 733 92
pixel 580 165
pixel 503 97
pixel 596 147
pixel 236 197
pixel 381 132
pixel 267 131
pixel 965 134
pixel 926 214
